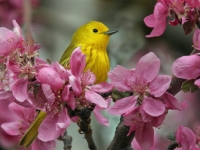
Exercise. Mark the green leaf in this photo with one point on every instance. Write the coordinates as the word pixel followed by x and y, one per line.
pixel 189 86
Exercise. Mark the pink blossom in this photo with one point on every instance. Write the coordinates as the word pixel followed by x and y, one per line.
pixel 19 64
pixel 182 12
pixel 148 105
pixel 25 117
pixel 186 139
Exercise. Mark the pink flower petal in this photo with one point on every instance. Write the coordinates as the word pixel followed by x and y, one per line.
pixel 76 85
pixel 157 121
pixel 150 21
pixel 145 136
pixel 68 97
pixel 87 78
pixel 17 109
pixel 50 97
pixel 100 118
pixel 132 128
pixel 77 62
pixel 160 12
pixel 185 137
pixel 132 118
pixel 171 102
pixel 147 67
pixel 26 103
pixel 103 87
pixel 20 89
pixel 61 71
pixel 153 107
pixel 11 128
pixel 159 85
pixel 63 120
pixel 49 76
pixel 5 94
pixel 145 117
pixel 48 129
pixel 158 29
pixel 96 99
pixel 187 67
pixel 41 145
pixel 17 28
pixel 8 41
pixel 129 120
pixel 120 77
pixel 123 105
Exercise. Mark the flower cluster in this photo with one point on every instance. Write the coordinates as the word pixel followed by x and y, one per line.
pixel 30 84
pixel 148 105
pixel 184 12
pixel 187 67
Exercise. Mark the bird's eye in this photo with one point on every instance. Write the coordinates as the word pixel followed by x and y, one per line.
pixel 95 30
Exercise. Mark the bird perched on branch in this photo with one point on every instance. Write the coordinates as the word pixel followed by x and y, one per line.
pixel 93 39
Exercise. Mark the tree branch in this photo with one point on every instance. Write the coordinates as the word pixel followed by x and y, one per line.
pixel 121 141
pixel 84 125
pixel 67 140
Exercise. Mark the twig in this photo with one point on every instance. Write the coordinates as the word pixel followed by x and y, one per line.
pixel 172 146
pixel 121 141
pixel 67 140
pixel 84 125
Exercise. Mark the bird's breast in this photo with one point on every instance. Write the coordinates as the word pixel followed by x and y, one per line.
pixel 97 61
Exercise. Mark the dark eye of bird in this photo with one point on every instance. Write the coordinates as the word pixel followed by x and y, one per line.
pixel 95 30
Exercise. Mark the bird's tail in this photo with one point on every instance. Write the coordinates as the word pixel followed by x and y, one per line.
pixel 32 132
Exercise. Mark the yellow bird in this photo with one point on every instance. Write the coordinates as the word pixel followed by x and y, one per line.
pixel 93 39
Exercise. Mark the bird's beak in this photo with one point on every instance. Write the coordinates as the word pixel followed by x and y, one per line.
pixel 110 32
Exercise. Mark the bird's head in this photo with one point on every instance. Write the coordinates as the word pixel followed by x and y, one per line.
pixel 93 33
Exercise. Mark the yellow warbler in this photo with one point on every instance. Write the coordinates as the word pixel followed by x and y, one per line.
pixel 93 39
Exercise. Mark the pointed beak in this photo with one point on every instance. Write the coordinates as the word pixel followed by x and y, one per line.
pixel 110 32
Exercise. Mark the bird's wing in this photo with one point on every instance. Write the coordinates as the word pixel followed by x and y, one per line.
pixel 64 61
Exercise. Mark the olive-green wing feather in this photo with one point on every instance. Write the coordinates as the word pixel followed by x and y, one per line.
pixel 32 132
pixel 64 61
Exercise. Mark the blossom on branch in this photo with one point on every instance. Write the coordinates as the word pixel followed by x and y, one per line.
pixel 148 105
pixel 34 84
pixel 184 12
